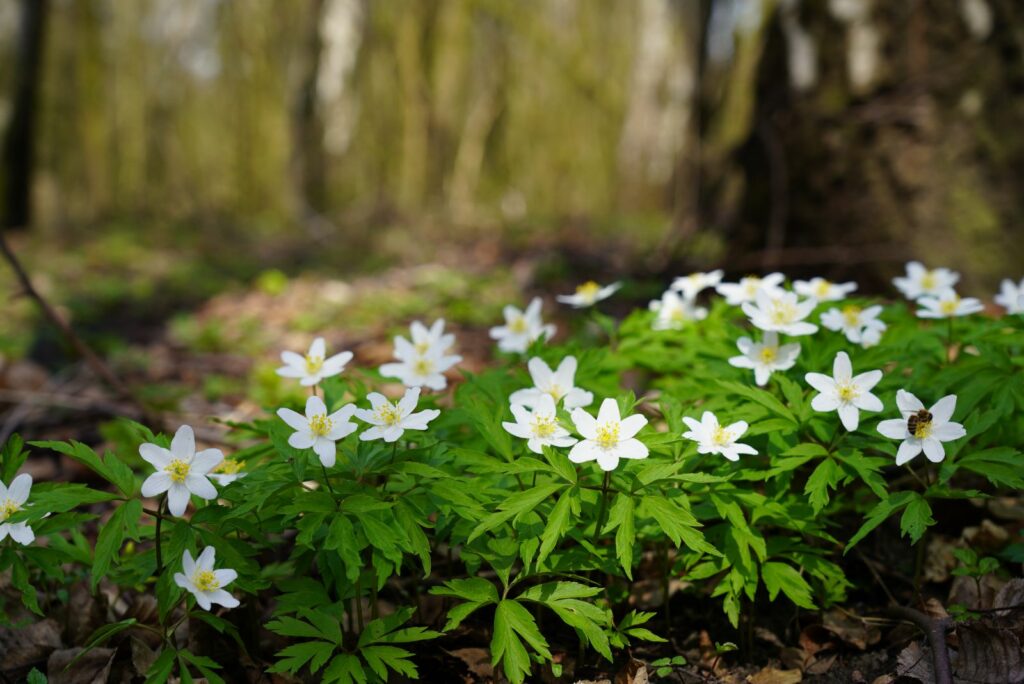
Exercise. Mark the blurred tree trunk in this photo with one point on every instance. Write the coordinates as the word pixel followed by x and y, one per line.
pixel 307 127
pixel 19 139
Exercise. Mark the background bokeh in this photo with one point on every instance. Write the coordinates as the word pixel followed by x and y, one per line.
pixel 157 152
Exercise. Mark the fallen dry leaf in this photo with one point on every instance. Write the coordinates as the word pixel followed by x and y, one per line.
pixel 771 675
pixel 915 662
pixel 478 660
pixel 33 643
pixel 91 668
pixel 989 654
pixel 851 630
pixel 634 672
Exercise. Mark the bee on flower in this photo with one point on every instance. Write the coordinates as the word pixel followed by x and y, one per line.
pixel 1011 296
pixel 539 425
pixel 607 438
pixel 317 430
pixel 675 310
pixel 747 288
pixel 180 471
pixel 692 285
pixel 765 357
pixel 920 281
pixel 922 429
pixel 521 328
pixel 204 582
pixel 588 294
pixel 948 304
pixel 422 362
pixel 559 384
pixel 12 500
pixel 390 420
pixel 312 368
pixel 822 290
pixel 860 325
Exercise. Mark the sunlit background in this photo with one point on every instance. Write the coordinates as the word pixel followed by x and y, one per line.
pixel 157 152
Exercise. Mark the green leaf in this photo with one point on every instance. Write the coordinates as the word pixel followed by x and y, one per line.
pixel 882 510
pixel 102 635
pixel 564 598
pixel 294 657
pixel 513 624
pixel 761 397
pixel 160 671
pixel 110 468
pixel 341 536
pixel 557 525
pixel 345 669
pixel 826 475
pixel 124 520
pixel 12 457
pixel 472 589
pixel 513 506
pixel 781 576
pixel 621 519
pixel 917 517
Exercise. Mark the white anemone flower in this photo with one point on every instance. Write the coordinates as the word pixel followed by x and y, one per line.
pixel 425 339
pixel 692 285
pixel 227 472
pixel 317 430
pixel 822 290
pixel 391 420
pixel 920 281
pixel 12 500
pixel 674 310
pixel 589 294
pixel 922 429
pixel 712 438
pixel 1011 296
pixel 205 583
pixel 607 438
pixel 315 365
pixel 746 290
pixel 419 369
pixel 844 392
pixel 559 384
pixel 782 313
pixel 860 325
pixel 521 328
pixel 180 471
pixel 538 426
pixel 765 357
pixel 948 304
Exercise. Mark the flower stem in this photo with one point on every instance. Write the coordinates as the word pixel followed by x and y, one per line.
pixel 604 506
pixel 917 477
pixel 327 480
pixel 157 536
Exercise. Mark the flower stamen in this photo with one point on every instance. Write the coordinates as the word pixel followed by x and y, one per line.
pixel 205 580
pixel 320 425
pixel 178 470
pixel 608 435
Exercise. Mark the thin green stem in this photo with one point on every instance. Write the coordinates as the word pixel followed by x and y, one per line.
pixel 359 602
pixel 604 506
pixel 917 477
pixel 158 537
pixel 327 480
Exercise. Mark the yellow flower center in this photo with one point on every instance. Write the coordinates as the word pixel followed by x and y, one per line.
pixel 229 467
pixel 847 392
pixel 314 364
pixel 7 509
pixel 205 580
pixel 423 366
pixel 923 429
pixel 608 435
pixel 320 424
pixel 517 325
pixel 422 347
pixel 543 426
pixel 588 290
pixel 769 354
pixel 750 285
pixel 851 316
pixel 389 414
pixel 556 392
pixel 178 470
pixel 783 313
pixel 721 436
pixel 928 281
pixel 822 289
pixel 949 306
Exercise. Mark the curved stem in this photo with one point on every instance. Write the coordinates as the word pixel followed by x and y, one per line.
pixel 604 506
pixel 327 480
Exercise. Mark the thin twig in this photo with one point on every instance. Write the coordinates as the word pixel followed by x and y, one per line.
pixel 88 355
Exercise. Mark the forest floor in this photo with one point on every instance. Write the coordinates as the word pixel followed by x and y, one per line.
pixel 206 356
